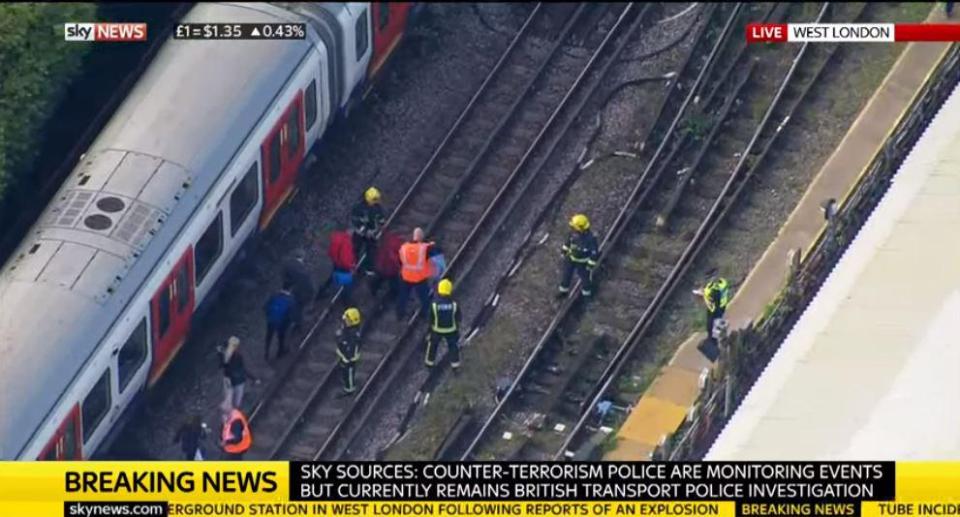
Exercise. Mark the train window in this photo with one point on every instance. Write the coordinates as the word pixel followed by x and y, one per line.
pixel 293 144
pixel 243 199
pixel 70 449
pixel 361 34
pixel 132 355
pixel 310 104
pixel 183 292
pixel 51 454
pixel 95 406
pixel 163 307
pixel 274 159
pixel 383 14
pixel 208 248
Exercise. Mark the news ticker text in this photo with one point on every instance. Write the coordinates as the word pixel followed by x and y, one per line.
pixel 873 489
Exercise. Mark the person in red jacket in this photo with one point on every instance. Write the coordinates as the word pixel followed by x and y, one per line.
pixel 387 264
pixel 344 261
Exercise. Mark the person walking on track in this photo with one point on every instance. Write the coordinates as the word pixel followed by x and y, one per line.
pixel 344 259
pixel 438 266
pixel 279 310
pixel 190 436
pixel 235 439
pixel 415 273
pixel 444 326
pixel 580 255
pixel 388 264
pixel 295 274
pixel 366 218
pixel 234 375
pixel 348 348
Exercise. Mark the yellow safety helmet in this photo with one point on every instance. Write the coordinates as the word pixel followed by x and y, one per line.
pixel 580 223
pixel 372 195
pixel 351 317
pixel 445 287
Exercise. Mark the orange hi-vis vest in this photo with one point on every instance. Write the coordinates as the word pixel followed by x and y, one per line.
pixel 245 440
pixel 413 257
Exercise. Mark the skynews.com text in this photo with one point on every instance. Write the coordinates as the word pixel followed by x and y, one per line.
pixel 120 508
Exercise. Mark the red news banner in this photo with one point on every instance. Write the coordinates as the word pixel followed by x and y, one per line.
pixel 851 32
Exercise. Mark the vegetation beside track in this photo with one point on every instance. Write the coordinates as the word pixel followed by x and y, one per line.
pixel 36 67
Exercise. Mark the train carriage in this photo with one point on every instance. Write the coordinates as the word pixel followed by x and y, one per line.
pixel 100 296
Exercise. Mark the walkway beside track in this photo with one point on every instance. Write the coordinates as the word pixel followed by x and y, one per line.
pixel 663 407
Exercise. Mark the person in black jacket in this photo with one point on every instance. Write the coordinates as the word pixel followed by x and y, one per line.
pixel 366 218
pixel 235 375
pixel 296 275
pixel 190 436
pixel 580 256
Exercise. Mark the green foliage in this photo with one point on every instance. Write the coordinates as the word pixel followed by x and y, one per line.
pixel 36 66
pixel 697 126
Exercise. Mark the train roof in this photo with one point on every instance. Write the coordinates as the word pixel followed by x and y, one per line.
pixel 111 223
pixel 869 370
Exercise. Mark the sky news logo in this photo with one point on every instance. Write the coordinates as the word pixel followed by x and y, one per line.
pixel 105 32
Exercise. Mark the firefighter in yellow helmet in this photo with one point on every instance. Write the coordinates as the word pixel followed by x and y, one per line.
pixel 444 325
pixel 348 348
pixel 366 219
pixel 580 255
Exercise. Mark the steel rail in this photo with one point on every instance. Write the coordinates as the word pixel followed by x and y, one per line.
pixel 700 238
pixel 506 213
pixel 615 230
pixel 328 309
pixel 479 155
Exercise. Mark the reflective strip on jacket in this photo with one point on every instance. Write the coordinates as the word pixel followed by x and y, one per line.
pixel 348 346
pixel 245 439
pixel 445 315
pixel 581 248
pixel 413 257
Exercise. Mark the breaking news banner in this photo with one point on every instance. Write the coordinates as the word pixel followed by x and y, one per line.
pixel 479 489
pixel 851 32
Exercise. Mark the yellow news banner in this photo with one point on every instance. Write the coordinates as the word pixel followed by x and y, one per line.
pixel 213 488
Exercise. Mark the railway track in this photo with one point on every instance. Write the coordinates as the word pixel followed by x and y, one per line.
pixel 672 96
pixel 469 173
pixel 806 68
pixel 721 140
pixel 563 118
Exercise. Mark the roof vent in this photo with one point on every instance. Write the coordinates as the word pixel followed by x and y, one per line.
pixel 97 222
pixel 111 204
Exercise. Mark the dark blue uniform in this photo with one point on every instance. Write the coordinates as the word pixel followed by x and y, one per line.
pixel 348 355
pixel 444 326
pixel 366 220
pixel 580 255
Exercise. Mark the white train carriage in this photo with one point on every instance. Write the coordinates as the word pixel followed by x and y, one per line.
pixel 869 371
pixel 99 297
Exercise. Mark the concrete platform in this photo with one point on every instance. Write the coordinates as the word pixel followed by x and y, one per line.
pixel 656 414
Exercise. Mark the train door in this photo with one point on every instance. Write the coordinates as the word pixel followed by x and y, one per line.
pixel 282 155
pixel 130 364
pixel 389 20
pixel 171 310
pixel 65 445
